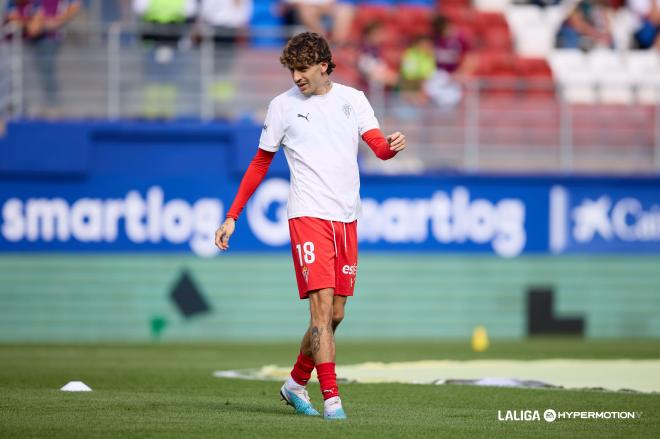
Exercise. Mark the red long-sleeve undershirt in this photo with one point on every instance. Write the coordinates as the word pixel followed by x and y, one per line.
pixel 255 173
pixel 378 144
pixel 259 165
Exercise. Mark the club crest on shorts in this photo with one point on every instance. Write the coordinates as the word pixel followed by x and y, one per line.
pixel 347 110
pixel 305 273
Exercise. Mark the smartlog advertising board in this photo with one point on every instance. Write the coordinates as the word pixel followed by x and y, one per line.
pixel 129 187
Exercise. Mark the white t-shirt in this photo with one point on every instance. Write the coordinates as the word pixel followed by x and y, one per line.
pixel 320 135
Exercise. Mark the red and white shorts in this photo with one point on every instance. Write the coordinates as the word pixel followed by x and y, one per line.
pixel 324 255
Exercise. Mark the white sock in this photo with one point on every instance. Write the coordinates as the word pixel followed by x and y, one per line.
pixel 291 384
pixel 334 403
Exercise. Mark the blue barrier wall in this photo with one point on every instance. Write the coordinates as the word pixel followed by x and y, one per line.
pixel 84 207
pixel 130 186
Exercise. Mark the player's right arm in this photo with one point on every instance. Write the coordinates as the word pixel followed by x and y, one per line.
pixel 253 176
pixel 269 142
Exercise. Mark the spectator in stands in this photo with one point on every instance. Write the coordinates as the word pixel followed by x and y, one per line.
pixel 372 66
pixel 43 22
pixel 452 49
pixel 454 62
pixel 312 13
pixel 647 14
pixel 417 67
pixel 226 19
pixel 587 26
pixel 165 28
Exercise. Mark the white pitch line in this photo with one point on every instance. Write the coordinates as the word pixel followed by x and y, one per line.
pixel 638 375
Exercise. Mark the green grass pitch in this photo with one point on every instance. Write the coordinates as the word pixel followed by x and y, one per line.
pixel 167 390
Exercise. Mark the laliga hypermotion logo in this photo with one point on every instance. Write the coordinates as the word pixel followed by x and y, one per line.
pixel 550 415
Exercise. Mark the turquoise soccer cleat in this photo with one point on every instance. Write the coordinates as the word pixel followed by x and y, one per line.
pixel 333 409
pixel 299 401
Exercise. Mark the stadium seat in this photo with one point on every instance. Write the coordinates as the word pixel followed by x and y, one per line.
pixel 522 17
pixel 533 33
pixel 534 68
pixel 623 25
pixel 539 83
pixel 459 15
pixel 535 41
pixel 366 14
pixel 554 16
pixel 643 66
pixel 613 82
pixel 497 38
pixel 570 68
pixel 413 21
pixel 497 69
pixel 441 4
pixel 492 5
pixel 489 20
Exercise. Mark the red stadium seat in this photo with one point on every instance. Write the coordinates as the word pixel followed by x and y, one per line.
pixel 500 68
pixel 442 4
pixel 490 20
pixel 537 75
pixel 496 38
pixel 413 21
pixel 366 14
pixel 459 15
pixel 534 67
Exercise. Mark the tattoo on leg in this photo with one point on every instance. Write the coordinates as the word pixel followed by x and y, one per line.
pixel 316 339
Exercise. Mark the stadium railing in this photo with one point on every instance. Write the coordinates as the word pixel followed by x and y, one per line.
pixel 510 125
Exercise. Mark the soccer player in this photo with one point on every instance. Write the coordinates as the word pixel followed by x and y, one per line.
pixel 317 122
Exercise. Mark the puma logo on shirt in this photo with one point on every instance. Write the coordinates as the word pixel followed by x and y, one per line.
pixel 304 117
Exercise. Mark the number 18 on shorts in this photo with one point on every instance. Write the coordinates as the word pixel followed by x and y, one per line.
pixel 324 255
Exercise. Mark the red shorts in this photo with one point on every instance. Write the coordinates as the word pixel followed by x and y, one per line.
pixel 324 255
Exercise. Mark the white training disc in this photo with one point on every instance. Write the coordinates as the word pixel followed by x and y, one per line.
pixel 76 386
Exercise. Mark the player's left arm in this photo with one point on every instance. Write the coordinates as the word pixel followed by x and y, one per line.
pixel 384 147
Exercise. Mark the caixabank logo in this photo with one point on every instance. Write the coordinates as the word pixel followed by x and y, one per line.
pixel 603 220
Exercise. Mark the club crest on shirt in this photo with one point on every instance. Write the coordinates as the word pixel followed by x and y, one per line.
pixel 347 110
pixel 305 273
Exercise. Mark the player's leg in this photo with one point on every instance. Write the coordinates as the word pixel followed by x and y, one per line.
pixel 345 275
pixel 313 252
pixel 338 305
pixel 321 334
pixel 317 347
pixel 322 339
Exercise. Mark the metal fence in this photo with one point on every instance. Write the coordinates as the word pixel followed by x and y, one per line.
pixel 497 125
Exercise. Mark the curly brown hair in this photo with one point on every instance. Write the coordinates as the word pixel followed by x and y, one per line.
pixel 306 49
